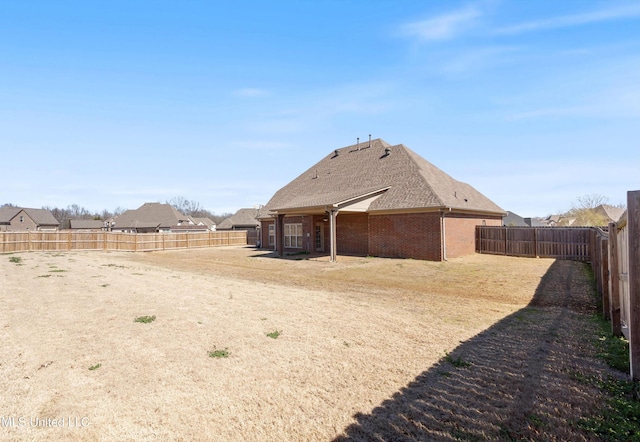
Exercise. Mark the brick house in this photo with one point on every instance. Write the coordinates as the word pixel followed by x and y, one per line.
pixel 376 199
pixel 153 217
pixel 21 219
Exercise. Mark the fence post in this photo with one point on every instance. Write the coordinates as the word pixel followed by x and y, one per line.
pixel 614 281
pixel 633 226
pixel 604 272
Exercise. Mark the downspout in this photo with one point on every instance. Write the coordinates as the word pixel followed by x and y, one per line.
pixel 443 229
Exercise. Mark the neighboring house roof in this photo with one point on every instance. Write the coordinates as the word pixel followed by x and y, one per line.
pixel 535 222
pixel 150 215
pixel 386 177
pixel 513 219
pixel 8 213
pixel 203 221
pixel 86 224
pixel 612 213
pixel 41 217
pixel 243 218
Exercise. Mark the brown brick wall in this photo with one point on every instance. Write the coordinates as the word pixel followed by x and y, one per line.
pixel 352 233
pixel 26 224
pixel 414 235
pixel 460 233
pixel 264 235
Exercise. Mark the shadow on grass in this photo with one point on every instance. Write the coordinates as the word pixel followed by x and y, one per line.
pixel 524 378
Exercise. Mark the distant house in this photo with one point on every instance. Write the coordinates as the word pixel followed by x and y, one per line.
pixel 86 225
pixel 243 219
pixel 515 220
pixel 21 219
pixel 376 199
pixel 153 217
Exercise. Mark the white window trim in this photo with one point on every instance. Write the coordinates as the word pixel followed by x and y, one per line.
pixel 272 234
pixel 293 236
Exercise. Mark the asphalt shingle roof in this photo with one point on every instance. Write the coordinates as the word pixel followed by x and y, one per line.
pixel 242 218
pixel 41 217
pixel 352 171
pixel 86 224
pixel 150 215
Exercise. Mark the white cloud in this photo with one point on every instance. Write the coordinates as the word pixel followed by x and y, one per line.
pixel 442 27
pixel 630 11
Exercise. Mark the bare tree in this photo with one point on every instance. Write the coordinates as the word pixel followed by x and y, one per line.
pixel 590 201
pixel 185 206
pixel 585 213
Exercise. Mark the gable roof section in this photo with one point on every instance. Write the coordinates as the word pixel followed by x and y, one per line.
pixel 150 215
pixel 8 213
pixel 404 180
pixel 42 217
pixel 242 218
pixel 611 212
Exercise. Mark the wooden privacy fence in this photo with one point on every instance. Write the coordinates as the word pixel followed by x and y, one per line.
pixel 535 242
pixel 614 254
pixel 616 266
pixel 132 242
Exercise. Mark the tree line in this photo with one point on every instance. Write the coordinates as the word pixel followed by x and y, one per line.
pixel 183 205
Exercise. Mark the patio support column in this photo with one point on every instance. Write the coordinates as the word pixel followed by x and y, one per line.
pixel 280 235
pixel 333 248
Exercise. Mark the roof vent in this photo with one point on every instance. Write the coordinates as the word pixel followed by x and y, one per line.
pixel 387 152
pixel 369 140
pixel 358 143
pixel 335 153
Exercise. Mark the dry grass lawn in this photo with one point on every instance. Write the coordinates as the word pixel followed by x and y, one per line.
pixel 360 354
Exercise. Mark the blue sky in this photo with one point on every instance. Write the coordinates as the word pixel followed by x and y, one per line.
pixel 111 104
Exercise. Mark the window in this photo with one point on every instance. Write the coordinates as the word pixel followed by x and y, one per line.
pixel 293 236
pixel 272 234
pixel 21 218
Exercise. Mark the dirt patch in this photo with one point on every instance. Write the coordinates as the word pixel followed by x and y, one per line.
pixel 359 353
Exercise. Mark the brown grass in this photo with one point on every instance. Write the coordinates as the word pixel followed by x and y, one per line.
pixel 360 355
